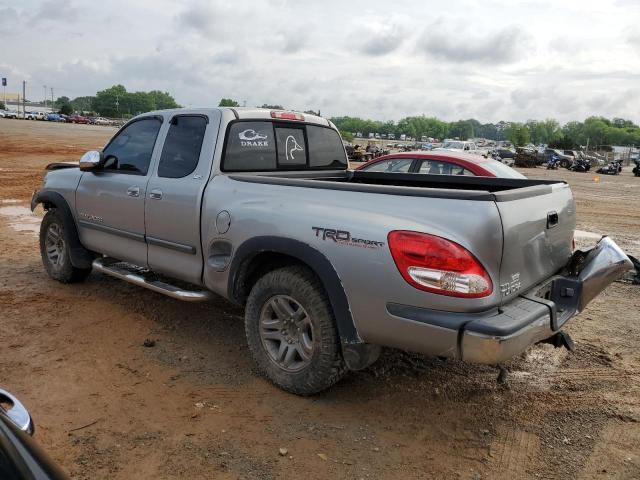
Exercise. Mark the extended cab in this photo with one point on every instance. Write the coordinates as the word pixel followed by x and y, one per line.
pixel 259 207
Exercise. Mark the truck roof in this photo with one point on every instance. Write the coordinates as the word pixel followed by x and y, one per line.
pixel 244 113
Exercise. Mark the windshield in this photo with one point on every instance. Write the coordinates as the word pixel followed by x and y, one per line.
pixel 499 169
pixel 455 145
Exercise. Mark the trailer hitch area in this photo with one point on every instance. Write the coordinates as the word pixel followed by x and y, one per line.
pixel 561 339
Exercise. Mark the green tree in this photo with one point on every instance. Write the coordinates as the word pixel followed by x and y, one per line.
pixel 518 134
pixel 462 129
pixel 66 109
pixel 272 107
pixel 346 136
pixel 110 102
pixel 595 129
pixel 311 112
pixel 82 104
pixel 162 100
pixel 228 102
pixel 2 105
pixel 60 101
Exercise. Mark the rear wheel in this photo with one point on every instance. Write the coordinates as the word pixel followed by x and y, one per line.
pixel 291 331
pixel 54 250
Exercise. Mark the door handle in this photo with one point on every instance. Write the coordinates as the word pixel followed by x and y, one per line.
pixel 155 194
pixel 133 191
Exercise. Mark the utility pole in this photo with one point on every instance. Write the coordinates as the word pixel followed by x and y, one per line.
pixel 117 104
pixel 45 96
pixel 24 94
pixel 4 87
pixel 52 98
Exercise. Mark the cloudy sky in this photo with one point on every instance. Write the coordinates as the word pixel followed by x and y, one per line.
pixel 491 60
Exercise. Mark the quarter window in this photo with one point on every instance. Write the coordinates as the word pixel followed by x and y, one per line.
pixel 131 149
pixel 325 148
pixel 182 146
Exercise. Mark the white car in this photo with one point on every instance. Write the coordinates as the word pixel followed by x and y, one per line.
pixel 35 116
pixel 8 114
pixel 100 121
pixel 462 146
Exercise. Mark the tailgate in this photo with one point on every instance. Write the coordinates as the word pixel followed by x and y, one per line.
pixel 537 226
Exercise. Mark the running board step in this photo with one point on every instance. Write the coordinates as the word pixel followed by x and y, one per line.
pixel 143 278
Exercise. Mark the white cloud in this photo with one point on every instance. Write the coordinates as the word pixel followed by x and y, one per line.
pixel 489 60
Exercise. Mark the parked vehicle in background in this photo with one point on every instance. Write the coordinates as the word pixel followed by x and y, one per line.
pixel 564 160
pixel 9 114
pixel 612 168
pixel 54 117
pixel 505 153
pixel 20 457
pixel 439 162
pixel 553 162
pixel 636 169
pixel 259 207
pixel 463 147
pixel 580 164
pixel 35 116
pixel 99 121
pixel 77 119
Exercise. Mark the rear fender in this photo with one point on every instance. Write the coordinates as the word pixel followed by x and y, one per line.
pixel 357 354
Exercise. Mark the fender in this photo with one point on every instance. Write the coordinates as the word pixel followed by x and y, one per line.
pixel 80 256
pixel 357 354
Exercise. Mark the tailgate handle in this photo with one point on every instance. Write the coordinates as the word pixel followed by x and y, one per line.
pixel 552 219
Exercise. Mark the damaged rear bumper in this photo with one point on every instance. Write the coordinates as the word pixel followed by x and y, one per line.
pixel 496 336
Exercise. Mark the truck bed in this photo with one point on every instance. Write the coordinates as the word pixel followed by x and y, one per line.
pixel 409 184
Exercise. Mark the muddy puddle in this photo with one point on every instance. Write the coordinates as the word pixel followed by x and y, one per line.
pixel 20 218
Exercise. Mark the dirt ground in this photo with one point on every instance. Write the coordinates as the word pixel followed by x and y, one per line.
pixel 192 406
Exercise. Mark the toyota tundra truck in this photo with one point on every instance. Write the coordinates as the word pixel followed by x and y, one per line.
pixel 330 264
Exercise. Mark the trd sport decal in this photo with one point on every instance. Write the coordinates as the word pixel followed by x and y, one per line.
pixel 344 237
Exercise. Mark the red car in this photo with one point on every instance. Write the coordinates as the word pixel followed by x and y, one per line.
pixel 440 163
pixel 77 119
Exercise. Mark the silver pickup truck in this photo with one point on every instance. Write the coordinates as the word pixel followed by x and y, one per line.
pixel 259 207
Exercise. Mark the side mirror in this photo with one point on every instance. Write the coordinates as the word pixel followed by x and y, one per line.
pixel 91 160
pixel 15 412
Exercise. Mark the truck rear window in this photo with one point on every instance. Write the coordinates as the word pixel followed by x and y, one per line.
pixel 269 146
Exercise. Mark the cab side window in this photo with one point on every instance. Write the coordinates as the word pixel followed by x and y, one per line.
pixel 181 150
pixel 130 150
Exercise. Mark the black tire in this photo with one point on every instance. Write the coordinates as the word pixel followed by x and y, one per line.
pixel 58 263
pixel 326 365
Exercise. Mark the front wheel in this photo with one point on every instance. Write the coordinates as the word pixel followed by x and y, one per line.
pixel 291 331
pixel 54 250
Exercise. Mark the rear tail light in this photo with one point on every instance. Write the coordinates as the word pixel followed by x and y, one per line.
pixel 435 264
pixel 287 116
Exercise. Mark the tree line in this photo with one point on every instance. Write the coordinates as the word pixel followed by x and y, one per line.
pixel 594 130
pixel 117 102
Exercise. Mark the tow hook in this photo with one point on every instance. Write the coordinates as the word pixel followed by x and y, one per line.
pixel 561 339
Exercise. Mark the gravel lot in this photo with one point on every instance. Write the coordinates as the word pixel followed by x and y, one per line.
pixel 191 406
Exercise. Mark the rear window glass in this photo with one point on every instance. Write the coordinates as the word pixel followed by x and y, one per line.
pixel 434 167
pixel 325 148
pixel 265 146
pixel 291 146
pixel 250 146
